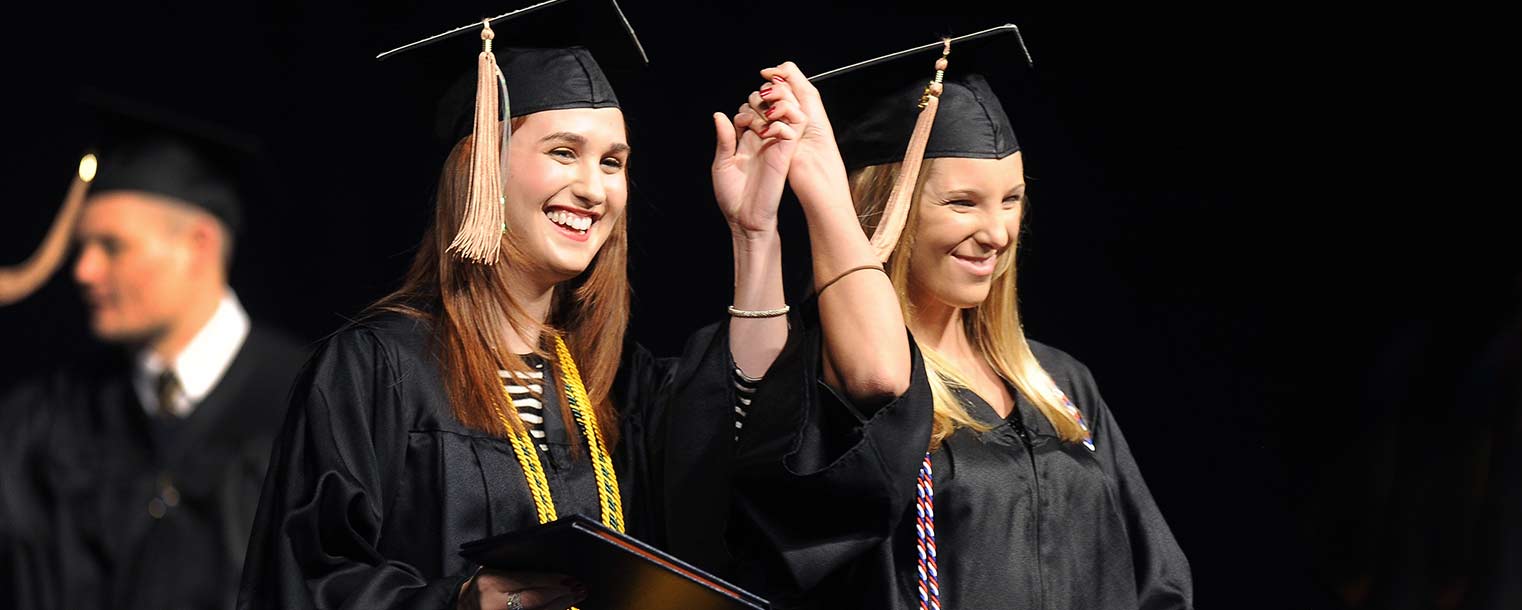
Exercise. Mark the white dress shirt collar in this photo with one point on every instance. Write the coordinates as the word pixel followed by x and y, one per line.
pixel 200 365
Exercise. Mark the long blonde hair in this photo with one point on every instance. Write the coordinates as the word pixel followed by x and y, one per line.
pixel 993 326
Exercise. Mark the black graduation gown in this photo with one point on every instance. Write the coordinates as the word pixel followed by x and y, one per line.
pixel 83 463
pixel 375 485
pixel 1024 520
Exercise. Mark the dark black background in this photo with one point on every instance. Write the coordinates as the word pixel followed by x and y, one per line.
pixel 1233 214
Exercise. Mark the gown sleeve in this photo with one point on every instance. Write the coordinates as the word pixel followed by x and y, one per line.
pixel 1162 572
pixel 676 439
pixel 28 562
pixel 818 480
pixel 320 517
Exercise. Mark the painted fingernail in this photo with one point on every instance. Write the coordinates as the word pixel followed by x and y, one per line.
pixel 778 79
pixel 769 111
pixel 765 90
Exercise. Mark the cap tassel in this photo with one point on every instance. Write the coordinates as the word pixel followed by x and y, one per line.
pixel 896 211
pixel 20 281
pixel 480 236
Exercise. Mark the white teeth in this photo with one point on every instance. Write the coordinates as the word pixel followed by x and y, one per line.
pixel 568 220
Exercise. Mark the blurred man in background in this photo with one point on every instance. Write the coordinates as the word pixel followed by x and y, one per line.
pixel 130 480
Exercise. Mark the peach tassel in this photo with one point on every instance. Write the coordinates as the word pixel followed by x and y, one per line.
pixel 896 211
pixel 22 280
pixel 480 237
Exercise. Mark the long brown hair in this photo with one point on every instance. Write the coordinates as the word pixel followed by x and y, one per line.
pixel 471 312
pixel 993 327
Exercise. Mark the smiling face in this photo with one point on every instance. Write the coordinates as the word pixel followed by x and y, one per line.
pixel 966 220
pixel 567 188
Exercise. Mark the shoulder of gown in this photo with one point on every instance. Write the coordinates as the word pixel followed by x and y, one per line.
pixel 403 340
pixel 276 352
pixel 1070 374
pixel 337 461
pixel 1162 571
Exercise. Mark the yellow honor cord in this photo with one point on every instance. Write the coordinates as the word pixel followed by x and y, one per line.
pixel 586 418
pixel 533 470
pixel 581 409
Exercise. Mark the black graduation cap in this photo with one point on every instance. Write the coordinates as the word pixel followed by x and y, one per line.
pixel 924 102
pixel 145 148
pixel 152 149
pixel 878 100
pixel 545 63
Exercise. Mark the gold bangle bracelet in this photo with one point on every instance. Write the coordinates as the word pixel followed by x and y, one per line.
pixel 759 313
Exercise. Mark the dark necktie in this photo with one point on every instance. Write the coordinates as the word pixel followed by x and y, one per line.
pixel 165 422
pixel 168 389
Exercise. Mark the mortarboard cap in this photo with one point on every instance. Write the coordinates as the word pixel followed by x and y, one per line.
pixel 541 65
pixel 172 154
pixel 538 79
pixel 144 148
pixel 909 106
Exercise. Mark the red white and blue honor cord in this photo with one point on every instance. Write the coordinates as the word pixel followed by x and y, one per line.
pixel 924 530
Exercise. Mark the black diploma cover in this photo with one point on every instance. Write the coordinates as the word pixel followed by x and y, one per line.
pixel 619 572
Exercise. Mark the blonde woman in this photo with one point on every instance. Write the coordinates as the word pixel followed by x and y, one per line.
pixel 1019 491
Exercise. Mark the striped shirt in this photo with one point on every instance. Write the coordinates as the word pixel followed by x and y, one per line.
pixel 745 390
pixel 526 391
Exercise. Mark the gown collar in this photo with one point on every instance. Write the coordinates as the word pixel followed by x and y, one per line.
pixel 1024 413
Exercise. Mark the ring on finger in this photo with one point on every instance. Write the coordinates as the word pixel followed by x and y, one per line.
pixel 515 601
